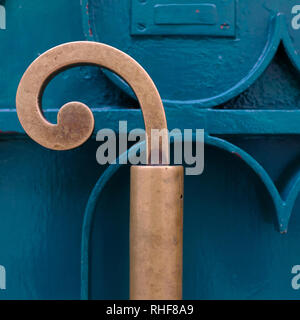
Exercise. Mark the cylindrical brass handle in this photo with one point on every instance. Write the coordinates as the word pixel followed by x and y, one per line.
pixel 156 221
pixel 156 191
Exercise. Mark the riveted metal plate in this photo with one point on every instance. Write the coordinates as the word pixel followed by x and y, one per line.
pixel 177 17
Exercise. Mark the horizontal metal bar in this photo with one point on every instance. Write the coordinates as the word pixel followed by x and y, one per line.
pixel 218 122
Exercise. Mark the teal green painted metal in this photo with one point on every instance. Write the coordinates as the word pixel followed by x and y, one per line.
pixel 48 246
pixel 32 27
pixel 63 235
pixel 27 21
pixel 209 76
pixel 283 207
pixel 171 17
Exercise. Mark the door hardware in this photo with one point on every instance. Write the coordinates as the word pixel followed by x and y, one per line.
pixel 156 190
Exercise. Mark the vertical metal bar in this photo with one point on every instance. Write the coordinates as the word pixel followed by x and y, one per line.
pixel 156 225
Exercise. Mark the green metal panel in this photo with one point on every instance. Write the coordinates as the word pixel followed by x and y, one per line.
pixel 65 219
pixel 200 70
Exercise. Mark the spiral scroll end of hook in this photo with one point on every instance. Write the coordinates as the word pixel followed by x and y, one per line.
pixel 75 125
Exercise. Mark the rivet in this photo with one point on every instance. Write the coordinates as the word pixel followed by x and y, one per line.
pixel 141 27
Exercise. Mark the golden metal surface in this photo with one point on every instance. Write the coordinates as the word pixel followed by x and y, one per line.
pixel 156 225
pixel 75 121
pixel 156 191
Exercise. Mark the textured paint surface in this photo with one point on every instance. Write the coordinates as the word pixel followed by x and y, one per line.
pixel 32 27
pixel 229 222
pixel 200 71
pixel 169 17
pixel 232 248
pixel 28 21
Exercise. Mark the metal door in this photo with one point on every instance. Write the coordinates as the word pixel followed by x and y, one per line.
pixel 233 71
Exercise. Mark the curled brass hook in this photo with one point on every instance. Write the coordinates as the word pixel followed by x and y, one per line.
pixel 75 121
